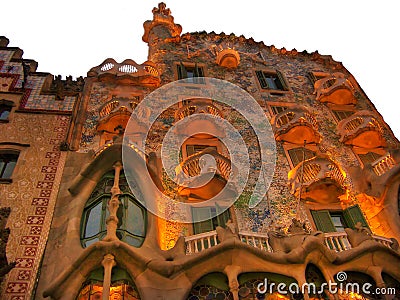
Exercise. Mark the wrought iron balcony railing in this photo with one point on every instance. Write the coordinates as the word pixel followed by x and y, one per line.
pixel 336 241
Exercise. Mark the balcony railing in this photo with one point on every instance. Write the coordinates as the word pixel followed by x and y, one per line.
pixel 383 164
pixel 358 123
pixel 336 241
pixel 200 242
pixel 313 170
pixel 335 89
pixel 197 107
pixel 191 166
pixel 118 104
pixel 257 240
pixel 384 241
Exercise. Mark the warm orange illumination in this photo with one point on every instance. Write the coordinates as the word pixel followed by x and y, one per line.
pixel 94 291
pixel 276 296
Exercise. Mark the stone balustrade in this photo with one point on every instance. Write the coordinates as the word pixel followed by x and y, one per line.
pixel 336 241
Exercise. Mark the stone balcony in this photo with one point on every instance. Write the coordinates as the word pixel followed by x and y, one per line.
pixel 318 179
pixel 335 89
pixel 197 106
pixel 361 129
pixel 193 175
pixel 335 241
pixel 295 125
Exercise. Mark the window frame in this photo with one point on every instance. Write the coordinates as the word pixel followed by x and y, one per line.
pixel 223 214
pixel 8 151
pixel 264 87
pixel 102 199
pixel 6 104
pixel 350 215
pixel 288 146
pixel 180 68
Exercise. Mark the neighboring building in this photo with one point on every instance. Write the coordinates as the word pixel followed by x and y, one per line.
pixel 77 230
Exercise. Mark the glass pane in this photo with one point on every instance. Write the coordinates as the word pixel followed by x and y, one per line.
pixel 4 115
pixel 93 221
pixel 9 168
pixel 135 220
pixel 133 241
pixel 271 83
pixel 337 222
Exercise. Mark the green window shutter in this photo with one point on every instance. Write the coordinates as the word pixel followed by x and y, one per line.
pixel 261 79
pixel 282 80
pixel 323 221
pixel 222 215
pixel 202 213
pixel 352 215
pixel 182 74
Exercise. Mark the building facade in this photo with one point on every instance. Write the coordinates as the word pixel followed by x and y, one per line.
pixel 83 176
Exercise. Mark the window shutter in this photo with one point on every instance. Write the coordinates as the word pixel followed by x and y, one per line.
pixel 312 77
pixel 196 72
pixel 323 221
pixel 261 79
pixel 281 78
pixel 222 215
pixel 181 71
pixel 202 213
pixel 352 215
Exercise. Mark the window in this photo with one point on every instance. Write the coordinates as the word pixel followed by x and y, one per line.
pixel 209 223
pixel 272 80
pixel 333 221
pixel 296 155
pixel 5 109
pixel 193 74
pixel 193 149
pixel 131 215
pixel 342 114
pixel 369 157
pixel 121 287
pixel 8 160
pixel 277 109
pixel 315 76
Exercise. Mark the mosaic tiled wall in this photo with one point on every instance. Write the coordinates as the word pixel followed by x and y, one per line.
pixel 11 78
pixel 36 177
pixel 201 48
pixel 32 196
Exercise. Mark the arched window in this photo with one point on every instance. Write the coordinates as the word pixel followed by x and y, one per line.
pixel 131 214
pixel 122 286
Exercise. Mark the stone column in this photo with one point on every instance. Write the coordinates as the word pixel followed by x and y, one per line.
pixel 112 206
pixel 108 263
pixel 232 273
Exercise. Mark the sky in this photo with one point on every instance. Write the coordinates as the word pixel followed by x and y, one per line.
pixel 70 37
